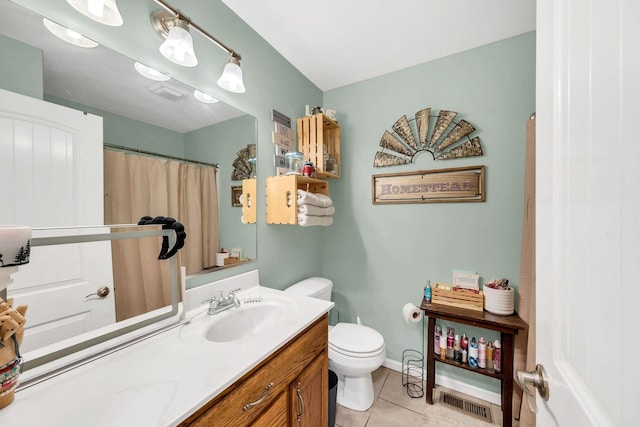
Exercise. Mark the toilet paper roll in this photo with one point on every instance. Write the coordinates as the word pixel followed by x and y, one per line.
pixel 411 313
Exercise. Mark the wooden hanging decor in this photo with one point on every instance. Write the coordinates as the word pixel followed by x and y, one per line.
pixel 242 163
pixel 465 184
pixel 444 138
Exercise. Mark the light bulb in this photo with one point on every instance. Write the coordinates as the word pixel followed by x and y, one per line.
pixel 178 47
pixel 231 78
pixel 68 35
pixel 72 34
pixel 104 11
pixel 96 8
pixel 150 73
pixel 204 97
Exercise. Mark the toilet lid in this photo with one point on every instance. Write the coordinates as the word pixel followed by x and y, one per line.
pixel 354 338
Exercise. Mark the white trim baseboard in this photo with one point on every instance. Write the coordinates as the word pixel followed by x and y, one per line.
pixel 459 386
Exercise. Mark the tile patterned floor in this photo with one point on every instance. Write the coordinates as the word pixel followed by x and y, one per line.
pixel 393 407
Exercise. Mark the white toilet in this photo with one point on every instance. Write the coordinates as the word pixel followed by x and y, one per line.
pixel 354 350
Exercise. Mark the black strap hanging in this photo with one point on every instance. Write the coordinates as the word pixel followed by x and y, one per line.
pixel 167 223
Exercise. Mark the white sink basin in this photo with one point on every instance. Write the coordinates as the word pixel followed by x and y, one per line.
pixel 248 320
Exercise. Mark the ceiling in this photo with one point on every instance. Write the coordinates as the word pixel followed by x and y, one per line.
pixel 336 42
pixel 333 43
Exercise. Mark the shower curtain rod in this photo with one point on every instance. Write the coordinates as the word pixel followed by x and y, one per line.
pixel 164 156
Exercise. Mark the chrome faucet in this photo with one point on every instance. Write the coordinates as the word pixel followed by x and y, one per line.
pixel 222 303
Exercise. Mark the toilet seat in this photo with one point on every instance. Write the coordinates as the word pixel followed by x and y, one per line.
pixel 355 340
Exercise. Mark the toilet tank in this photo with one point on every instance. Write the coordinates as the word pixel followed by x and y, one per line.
pixel 315 287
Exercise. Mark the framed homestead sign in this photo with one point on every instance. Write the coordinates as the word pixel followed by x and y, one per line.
pixel 465 184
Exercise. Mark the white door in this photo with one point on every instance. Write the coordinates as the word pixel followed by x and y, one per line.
pixel 51 175
pixel 588 210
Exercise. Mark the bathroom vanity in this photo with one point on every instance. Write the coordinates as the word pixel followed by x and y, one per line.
pixel 289 388
pixel 195 374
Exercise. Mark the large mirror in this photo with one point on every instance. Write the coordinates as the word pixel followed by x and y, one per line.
pixel 140 116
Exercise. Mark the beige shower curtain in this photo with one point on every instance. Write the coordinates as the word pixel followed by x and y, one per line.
pixel 525 349
pixel 137 186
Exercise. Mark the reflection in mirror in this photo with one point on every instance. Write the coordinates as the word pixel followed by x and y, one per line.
pixel 158 118
pixel 70 312
pixel 139 113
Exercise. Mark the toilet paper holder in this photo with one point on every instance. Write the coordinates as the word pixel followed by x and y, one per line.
pixel 413 372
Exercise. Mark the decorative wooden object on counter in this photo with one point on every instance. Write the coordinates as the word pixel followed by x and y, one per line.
pixel 458 297
pixel 508 326
pixel 249 201
pixel 291 387
pixel 232 261
pixel 282 201
pixel 319 141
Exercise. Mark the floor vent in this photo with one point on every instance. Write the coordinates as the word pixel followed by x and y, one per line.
pixel 470 408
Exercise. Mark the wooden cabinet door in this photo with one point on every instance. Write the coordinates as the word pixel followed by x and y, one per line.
pixel 276 415
pixel 308 395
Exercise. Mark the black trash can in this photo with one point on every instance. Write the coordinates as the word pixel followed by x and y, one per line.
pixel 333 393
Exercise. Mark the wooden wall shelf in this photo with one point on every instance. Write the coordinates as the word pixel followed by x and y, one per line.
pixel 249 201
pixel 314 133
pixel 282 203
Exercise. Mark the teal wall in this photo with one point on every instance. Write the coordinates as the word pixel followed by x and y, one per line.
pixel 21 68
pixel 378 256
pixel 220 143
pixel 119 130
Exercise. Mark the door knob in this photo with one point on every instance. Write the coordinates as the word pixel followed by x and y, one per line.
pixel 538 378
pixel 102 292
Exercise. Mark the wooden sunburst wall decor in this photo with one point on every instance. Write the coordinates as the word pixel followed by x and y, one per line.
pixel 446 139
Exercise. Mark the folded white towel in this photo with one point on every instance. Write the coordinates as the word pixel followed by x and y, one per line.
pixel 316 199
pixel 316 210
pixel 309 220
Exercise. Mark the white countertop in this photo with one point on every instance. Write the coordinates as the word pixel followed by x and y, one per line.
pixel 159 381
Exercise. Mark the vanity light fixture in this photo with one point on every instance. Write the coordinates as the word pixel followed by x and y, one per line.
pixel 68 35
pixel 231 78
pixel 178 45
pixel 165 21
pixel 204 97
pixel 103 11
pixel 151 73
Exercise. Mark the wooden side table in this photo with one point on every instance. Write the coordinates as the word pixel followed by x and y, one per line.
pixel 508 326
